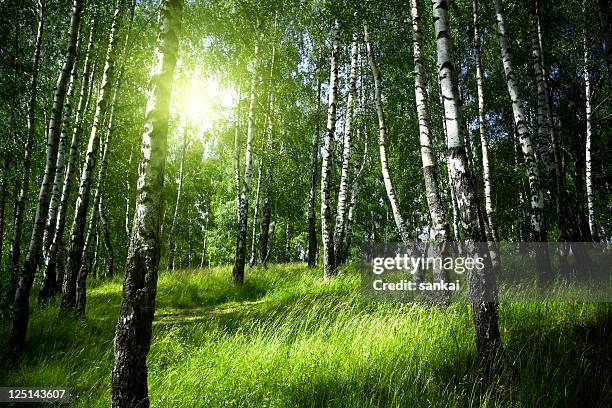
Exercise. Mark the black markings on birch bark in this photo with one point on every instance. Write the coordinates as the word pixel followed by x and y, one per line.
pixel 52 268
pixel 133 332
pixel 24 189
pixel 329 264
pixel 241 235
pixel 482 285
pixel 397 216
pixel 589 128
pixel 78 230
pixel 536 194
pixel 440 232
pixel 339 233
pixel 22 293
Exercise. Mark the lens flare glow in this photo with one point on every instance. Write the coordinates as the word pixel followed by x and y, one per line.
pixel 204 102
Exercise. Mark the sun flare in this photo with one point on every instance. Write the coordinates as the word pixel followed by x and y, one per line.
pixel 203 102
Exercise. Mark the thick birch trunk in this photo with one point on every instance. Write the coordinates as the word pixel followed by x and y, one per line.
pixel 382 131
pixel 482 285
pixel 77 233
pixel 329 264
pixel 24 190
pixel 22 294
pixel 133 333
pixel 339 232
pixel 537 196
pixel 48 286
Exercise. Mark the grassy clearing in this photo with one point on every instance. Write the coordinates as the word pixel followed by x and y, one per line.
pixel 289 339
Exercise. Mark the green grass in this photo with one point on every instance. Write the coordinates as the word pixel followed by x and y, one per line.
pixel 290 339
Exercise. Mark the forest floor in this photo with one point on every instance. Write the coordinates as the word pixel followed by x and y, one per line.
pixel 290 339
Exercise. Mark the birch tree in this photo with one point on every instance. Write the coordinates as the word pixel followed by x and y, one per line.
pixel 484 142
pixel 243 202
pixel 382 132
pixel 133 332
pixel 440 232
pixel 339 232
pixel 24 189
pixel 537 196
pixel 171 235
pixel 22 294
pixel 329 264
pixel 482 285
pixel 589 126
pixel 312 221
pixel 77 233
pixel 52 281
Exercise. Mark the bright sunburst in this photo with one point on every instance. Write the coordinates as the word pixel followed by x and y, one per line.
pixel 203 102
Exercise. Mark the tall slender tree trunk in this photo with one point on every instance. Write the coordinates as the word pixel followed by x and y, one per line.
pixel 241 235
pixel 61 153
pixel 339 232
pixel 22 198
pixel 484 143
pixel 537 196
pixel 329 262
pixel 22 294
pixel 128 196
pixel 358 165
pixel 171 235
pixel 255 215
pixel 482 285
pixel 440 232
pixel 204 231
pixel 589 127
pixel 108 244
pixel 48 285
pixel 77 233
pixel 312 220
pixel 52 283
pixel 133 333
pixel 397 216
pixel 265 228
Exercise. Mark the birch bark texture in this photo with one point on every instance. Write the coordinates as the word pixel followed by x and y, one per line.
pixel 382 132
pixel 133 332
pixel 77 233
pixel 535 186
pixel 48 287
pixel 24 189
pixel 329 264
pixel 482 284
pixel 22 294
pixel 341 208
pixel 589 126
pixel 440 231
pixel 484 142
pixel 243 203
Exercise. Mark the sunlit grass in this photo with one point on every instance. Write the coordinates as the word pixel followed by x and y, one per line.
pixel 288 338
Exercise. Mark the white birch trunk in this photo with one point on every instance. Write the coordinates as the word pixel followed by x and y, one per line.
pixel 378 100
